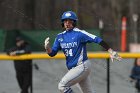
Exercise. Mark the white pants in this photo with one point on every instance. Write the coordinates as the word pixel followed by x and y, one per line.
pixel 78 74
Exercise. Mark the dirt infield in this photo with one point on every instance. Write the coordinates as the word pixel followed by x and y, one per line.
pixel 46 78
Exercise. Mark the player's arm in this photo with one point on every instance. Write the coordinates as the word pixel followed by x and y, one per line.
pixel 52 51
pixel 26 50
pixel 113 54
pixel 47 45
pixel 134 74
pixel 11 52
pixel 87 37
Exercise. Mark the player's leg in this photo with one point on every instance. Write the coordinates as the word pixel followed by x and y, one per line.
pixel 27 82
pixel 19 78
pixel 73 76
pixel 138 86
pixel 86 86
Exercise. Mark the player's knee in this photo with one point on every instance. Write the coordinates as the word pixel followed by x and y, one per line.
pixel 63 88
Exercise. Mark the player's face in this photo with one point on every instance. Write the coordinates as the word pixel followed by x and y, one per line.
pixel 68 24
pixel 138 61
pixel 19 43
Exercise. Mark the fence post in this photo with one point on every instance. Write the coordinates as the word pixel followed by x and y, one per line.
pixel 31 87
pixel 108 76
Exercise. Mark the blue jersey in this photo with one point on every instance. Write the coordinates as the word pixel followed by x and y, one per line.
pixel 73 44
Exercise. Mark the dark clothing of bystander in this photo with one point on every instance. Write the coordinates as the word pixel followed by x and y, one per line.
pixel 135 75
pixel 23 68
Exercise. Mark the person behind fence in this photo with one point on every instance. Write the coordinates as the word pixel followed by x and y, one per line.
pixel 72 41
pixel 135 74
pixel 23 68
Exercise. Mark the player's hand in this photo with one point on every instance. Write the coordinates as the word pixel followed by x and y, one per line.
pixel 46 45
pixel 13 53
pixel 132 80
pixel 114 55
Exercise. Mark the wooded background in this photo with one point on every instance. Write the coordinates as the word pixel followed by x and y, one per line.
pixel 46 14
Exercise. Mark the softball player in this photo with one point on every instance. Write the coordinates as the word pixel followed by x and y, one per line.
pixel 73 44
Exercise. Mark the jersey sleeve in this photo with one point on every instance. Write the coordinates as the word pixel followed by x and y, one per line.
pixel 56 47
pixel 26 50
pixel 88 38
pixel 133 74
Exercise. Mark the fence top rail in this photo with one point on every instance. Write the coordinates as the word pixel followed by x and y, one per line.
pixel 62 56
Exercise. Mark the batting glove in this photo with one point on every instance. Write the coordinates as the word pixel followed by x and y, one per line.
pixel 46 45
pixel 114 55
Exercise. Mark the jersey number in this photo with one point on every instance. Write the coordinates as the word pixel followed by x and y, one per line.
pixel 68 52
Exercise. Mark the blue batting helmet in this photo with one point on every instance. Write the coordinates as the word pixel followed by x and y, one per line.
pixel 69 15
